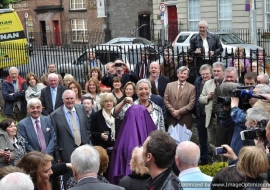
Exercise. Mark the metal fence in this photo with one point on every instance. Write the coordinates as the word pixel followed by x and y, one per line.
pixel 75 58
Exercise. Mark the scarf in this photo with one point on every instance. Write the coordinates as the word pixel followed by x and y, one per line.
pixel 111 121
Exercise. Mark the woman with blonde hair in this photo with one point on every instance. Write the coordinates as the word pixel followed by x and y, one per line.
pixel 240 67
pixel 104 126
pixel 252 161
pixel 254 68
pixel 67 79
pixel 239 55
pixel 94 91
pixel 140 174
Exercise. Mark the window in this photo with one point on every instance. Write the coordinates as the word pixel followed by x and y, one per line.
pixel 194 15
pixel 267 14
pixel 79 30
pixel 30 26
pixel 225 15
pixel 77 4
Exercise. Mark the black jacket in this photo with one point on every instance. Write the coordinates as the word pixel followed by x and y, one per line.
pixel 126 77
pixel 167 180
pixel 213 43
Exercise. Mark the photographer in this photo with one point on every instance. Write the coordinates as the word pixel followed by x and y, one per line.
pixel 238 116
pixel 223 134
pixel 254 118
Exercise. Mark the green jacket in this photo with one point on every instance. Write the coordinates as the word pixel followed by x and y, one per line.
pixel 5 143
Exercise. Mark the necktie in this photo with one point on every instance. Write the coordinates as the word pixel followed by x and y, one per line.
pixel 53 97
pixel 15 85
pixel 76 132
pixel 40 136
pixel 180 89
pixel 142 71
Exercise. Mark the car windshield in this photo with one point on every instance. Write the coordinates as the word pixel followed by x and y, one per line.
pixel 230 39
pixel 182 38
pixel 141 41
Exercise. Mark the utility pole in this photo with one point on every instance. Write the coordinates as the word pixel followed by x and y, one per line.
pixel 253 19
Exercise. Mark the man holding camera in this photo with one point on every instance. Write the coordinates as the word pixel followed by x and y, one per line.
pixel 257 133
pixel 206 98
pixel 125 76
pixel 223 134
pixel 238 118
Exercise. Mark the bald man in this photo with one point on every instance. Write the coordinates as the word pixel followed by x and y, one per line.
pixel 187 158
pixel 160 80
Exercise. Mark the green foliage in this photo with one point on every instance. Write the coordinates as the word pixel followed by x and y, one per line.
pixel 213 169
pixel 10 1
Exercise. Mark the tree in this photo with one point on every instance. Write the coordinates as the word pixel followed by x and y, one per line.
pixel 4 3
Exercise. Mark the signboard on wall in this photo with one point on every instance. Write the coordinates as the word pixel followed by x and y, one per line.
pixel 101 8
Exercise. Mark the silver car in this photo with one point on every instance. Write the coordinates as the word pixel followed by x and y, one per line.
pixel 228 40
pixel 129 40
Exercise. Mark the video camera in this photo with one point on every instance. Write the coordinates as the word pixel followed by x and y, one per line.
pixel 243 93
pixel 253 133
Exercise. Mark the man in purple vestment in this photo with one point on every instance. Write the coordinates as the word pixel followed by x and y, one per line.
pixel 136 126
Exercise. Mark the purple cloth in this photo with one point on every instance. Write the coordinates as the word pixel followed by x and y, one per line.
pixel 245 61
pixel 135 128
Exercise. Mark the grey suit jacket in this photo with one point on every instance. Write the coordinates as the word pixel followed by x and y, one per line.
pixel 46 99
pixel 65 140
pixel 208 87
pixel 94 184
pixel 27 131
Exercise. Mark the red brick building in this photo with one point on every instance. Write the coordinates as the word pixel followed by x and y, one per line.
pixel 60 22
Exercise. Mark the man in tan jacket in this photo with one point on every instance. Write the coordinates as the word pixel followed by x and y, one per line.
pixel 179 99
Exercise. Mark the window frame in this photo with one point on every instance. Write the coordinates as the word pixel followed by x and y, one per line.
pixel 72 4
pixel 76 30
pixel 191 27
pixel 220 27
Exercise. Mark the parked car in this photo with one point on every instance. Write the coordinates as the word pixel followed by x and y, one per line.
pixel 105 54
pixel 228 40
pixel 129 40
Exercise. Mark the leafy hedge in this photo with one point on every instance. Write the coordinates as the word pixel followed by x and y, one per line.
pixel 213 169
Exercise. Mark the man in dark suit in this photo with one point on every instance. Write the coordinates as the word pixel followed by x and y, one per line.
pixel 71 127
pixel 179 99
pixel 160 81
pixel 69 134
pixel 51 96
pixel 85 165
pixel 141 69
pixel 37 130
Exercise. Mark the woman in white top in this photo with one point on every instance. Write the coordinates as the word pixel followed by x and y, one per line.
pixel 34 86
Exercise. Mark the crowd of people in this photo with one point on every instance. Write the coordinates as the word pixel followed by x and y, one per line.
pixel 114 131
